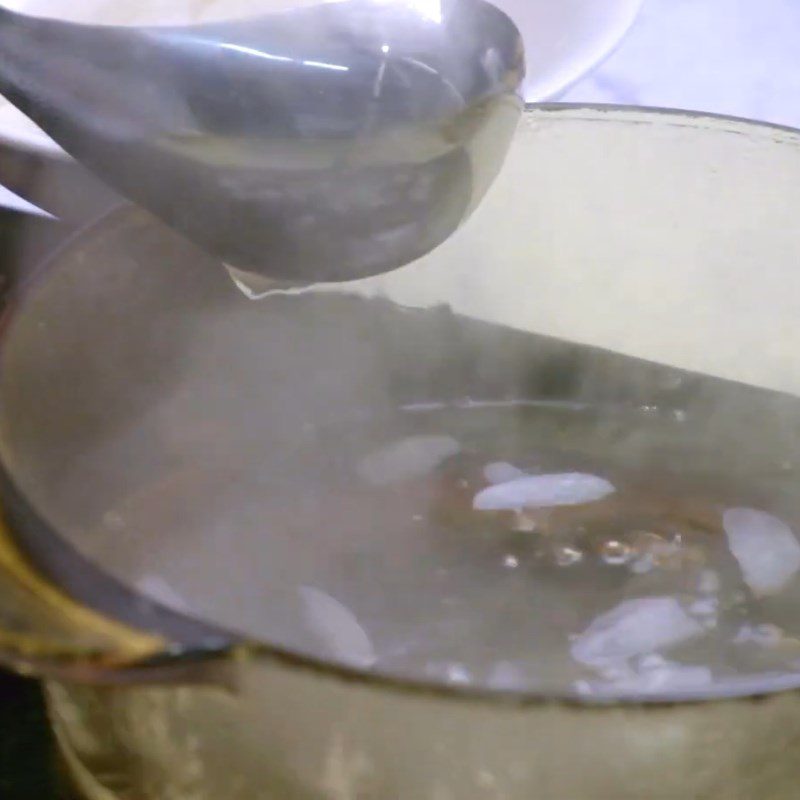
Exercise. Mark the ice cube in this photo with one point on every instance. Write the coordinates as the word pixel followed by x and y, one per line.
pixel 501 472
pixel 543 491
pixel 634 628
pixel 407 458
pixel 660 678
pixel 337 628
pixel 765 547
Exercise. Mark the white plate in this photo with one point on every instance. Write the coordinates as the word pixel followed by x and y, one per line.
pixel 564 38
pixel 749 67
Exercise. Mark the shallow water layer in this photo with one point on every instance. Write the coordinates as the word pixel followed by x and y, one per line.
pixel 309 472
pixel 579 549
pixel 541 547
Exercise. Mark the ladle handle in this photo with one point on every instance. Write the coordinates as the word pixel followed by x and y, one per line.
pixel 56 184
pixel 41 74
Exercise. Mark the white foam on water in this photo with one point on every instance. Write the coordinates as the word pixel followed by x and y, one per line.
pixel 667 677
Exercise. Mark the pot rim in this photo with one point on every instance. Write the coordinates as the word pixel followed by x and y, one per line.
pixel 178 659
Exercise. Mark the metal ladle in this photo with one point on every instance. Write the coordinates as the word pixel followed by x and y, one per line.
pixel 328 142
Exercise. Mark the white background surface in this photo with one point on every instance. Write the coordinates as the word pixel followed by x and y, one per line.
pixel 739 57
pixel 564 39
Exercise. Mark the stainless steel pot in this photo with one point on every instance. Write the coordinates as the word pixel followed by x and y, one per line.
pixel 624 255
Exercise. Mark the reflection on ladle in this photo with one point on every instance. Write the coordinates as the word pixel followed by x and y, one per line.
pixel 323 143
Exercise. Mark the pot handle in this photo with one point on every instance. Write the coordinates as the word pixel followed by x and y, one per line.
pixel 45 633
